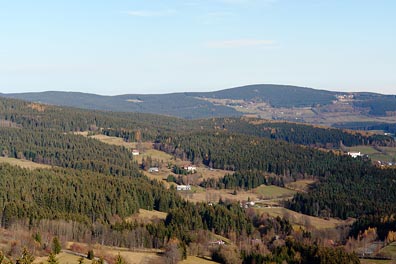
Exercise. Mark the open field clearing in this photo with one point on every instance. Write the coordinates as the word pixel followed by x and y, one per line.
pixel 196 260
pixel 387 154
pixel 27 164
pixel 146 216
pixel 211 173
pixel 202 195
pixel 114 141
pixel 300 186
pixel 130 257
pixel 137 256
pixel 368 150
pixel 301 219
pixel 63 258
pixel 375 261
pixel 155 155
pixel 389 250
pixel 159 176
pixel 271 192
pixel 146 148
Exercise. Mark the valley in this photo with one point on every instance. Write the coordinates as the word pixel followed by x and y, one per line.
pixel 156 189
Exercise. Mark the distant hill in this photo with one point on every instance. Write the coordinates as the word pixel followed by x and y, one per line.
pixel 275 95
pixel 176 104
pixel 268 101
pixel 185 105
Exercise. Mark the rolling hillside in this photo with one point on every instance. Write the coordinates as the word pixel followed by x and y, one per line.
pixel 275 95
pixel 186 105
pixel 267 101
pixel 176 104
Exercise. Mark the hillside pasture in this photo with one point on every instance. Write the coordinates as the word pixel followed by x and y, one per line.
pixel 389 250
pixel 269 193
pixel 196 260
pixel 26 164
pixel 386 154
pixel 208 173
pixel 375 261
pixel 155 154
pixel 146 148
pixel 199 194
pixel 131 256
pixel 114 141
pixel 266 192
pixel 63 258
pixel 298 219
pixel 146 216
pixel 300 185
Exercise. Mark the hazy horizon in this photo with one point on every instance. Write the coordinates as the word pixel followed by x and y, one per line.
pixel 157 47
pixel 154 93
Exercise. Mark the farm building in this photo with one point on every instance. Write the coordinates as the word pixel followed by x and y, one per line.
pixel 183 187
pixel 153 169
pixel 355 154
pixel 135 152
pixel 190 168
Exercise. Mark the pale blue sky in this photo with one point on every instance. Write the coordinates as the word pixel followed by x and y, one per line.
pixel 160 46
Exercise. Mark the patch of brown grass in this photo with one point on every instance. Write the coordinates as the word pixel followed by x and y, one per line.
pixel 146 216
pixel 202 195
pixel 272 192
pixel 114 141
pixel 208 173
pixel 301 185
pixel 197 260
pixel 303 220
pixel 63 258
pixel 130 256
pixel 27 164
pixel 37 107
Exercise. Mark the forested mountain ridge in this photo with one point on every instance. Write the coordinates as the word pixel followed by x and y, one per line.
pixel 275 95
pixel 177 104
pixel 279 102
pixel 142 126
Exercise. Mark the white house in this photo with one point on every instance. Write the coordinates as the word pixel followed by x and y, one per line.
pixel 183 187
pixel 135 152
pixel 355 154
pixel 153 169
pixel 217 242
pixel 190 168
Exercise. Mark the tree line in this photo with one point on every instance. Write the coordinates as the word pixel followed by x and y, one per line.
pixel 82 196
pixel 67 150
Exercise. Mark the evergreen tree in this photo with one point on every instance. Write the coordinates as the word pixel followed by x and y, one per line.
pixel 56 246
pixel 119 259
pixel 26 258
pixel 52 259
pixel 81 260
pixel 90 254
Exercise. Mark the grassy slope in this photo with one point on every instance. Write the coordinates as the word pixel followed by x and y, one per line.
pixel 63 258
pixel 374 261
pixel 147 216
pixel 196 260
pixel 272 191
pixel 301 219
pixel 386 154
pixel 389 250
pixel 27 164
pixel 300 186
